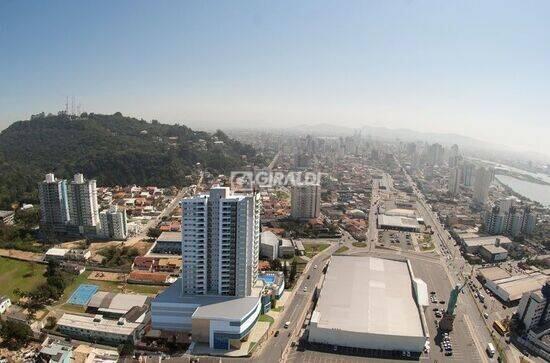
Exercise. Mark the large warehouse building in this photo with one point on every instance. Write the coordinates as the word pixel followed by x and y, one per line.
pixel 371 303
pixel 398 223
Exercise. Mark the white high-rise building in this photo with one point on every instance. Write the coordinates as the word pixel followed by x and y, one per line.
pixel 54 208
pixel 305 201
pixel 507 218
pixel 113 224
pixel 454 156
pixel 83 207
pixel 454 181
pixel 467 178
pixel 534 307
pixel 220 243
pixel 483 179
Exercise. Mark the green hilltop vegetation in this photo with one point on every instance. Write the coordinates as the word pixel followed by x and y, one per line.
pixel 114 149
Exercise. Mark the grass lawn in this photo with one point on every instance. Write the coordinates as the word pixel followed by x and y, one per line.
pixel 314 248
pixel 80 279
pixel 266 318
pixel 19 274
pixel 342 249
pixel 426 244
pixel 359 244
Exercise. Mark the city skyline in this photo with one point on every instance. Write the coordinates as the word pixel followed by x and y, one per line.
pixel 471 69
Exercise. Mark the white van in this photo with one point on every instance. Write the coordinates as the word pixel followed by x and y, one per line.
pixel 490 349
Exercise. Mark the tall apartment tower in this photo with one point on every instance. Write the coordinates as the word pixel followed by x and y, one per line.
pixel 483 179
pixel 467 177
pixel 220 243
pixel 54 207
pixel 507 218
pixel 83 207
pixel 113 224
pixel 454 180
pixel 305 201
pixel 454 156
pixel 534 307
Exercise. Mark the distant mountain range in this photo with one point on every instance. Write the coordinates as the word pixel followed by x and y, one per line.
pixel 114 149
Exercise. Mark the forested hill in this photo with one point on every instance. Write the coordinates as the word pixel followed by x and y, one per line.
pixel 114 149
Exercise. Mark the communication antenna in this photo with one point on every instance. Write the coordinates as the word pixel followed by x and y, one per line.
pixel 67 105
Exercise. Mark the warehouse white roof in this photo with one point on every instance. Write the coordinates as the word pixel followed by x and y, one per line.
pixel 397 221
pixel 97 324
pixel 59 252
pixel 487 240
pixel 369 295
pixel 410 213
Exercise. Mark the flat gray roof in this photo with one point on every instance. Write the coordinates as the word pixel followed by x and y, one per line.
pixel 169 237
pixel 117 303
pixel 209 306
pixel 494 273
pixel 516 286
pixel 369 295
pixel 494 249
pixel 269 238
pixel 487 240
pixel 397 221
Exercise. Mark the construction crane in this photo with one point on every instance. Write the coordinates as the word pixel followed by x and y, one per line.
pixel 448 318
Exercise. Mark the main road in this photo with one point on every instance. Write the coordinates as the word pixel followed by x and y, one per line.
pixel 457 270
pixel 276 348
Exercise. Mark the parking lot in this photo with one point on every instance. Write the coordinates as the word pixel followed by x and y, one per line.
pixel 322 354
pixel 463 347
pixel 405 241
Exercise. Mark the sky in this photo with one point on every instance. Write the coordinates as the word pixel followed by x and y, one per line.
pixel 479 69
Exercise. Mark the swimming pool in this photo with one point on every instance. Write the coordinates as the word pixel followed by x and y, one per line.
pixel 83 294
pixel 268 279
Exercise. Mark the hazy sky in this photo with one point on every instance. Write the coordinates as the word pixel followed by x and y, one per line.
pixel 478 68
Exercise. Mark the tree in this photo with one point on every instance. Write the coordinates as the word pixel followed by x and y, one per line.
pixel 126 349
pixel 293 271
pixel 15 334
pixel 27 218
pixel 153 232
pixel 51 321
pixel 276 265
pixel 285 270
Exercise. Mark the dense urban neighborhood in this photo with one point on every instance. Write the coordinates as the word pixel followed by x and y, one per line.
pixel 406 250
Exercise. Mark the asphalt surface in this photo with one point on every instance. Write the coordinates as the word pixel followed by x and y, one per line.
pixel 274 348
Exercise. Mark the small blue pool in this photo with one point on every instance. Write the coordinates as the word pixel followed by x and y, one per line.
pixel 83 294
pixel 268 279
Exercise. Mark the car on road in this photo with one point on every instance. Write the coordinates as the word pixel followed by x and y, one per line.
pixel 287 324
pixel 308 276
pixel 486 316
pixel 305 288
pixel 276 333
pixel 442 302
pixel 315 267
